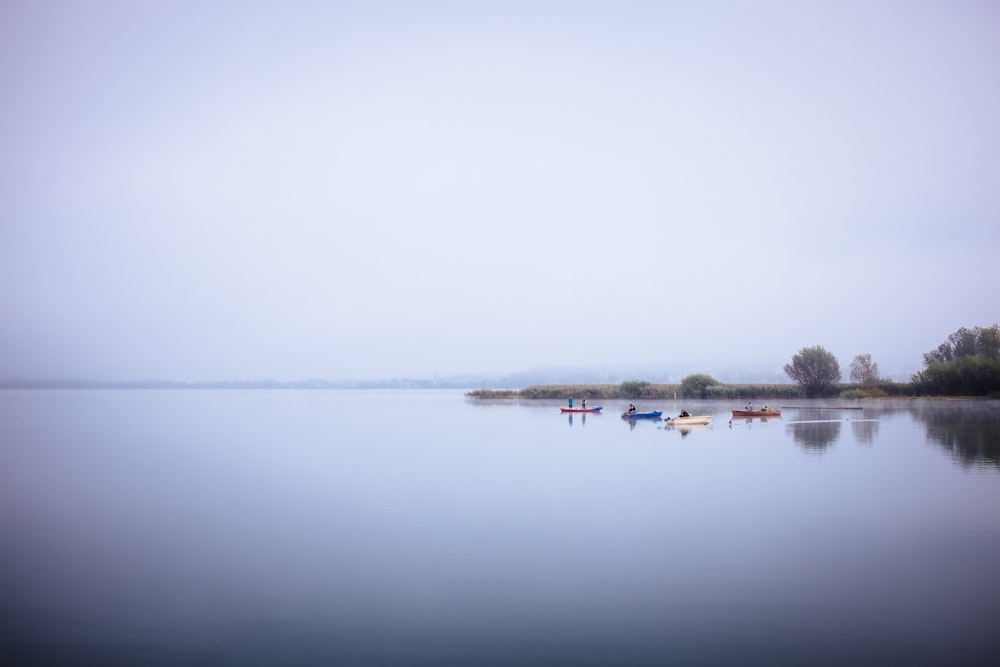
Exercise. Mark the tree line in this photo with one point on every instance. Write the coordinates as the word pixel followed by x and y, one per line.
pixel 966 364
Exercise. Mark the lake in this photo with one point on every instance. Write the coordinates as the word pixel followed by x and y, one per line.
pixel 208 527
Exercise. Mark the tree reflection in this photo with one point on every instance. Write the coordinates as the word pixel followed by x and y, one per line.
pixel 865 431
pixel 816 435
pixel 970 433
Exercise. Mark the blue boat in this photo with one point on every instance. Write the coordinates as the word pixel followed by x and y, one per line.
pixel 655 414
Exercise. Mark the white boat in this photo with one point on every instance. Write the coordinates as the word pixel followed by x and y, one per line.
pixel 692 420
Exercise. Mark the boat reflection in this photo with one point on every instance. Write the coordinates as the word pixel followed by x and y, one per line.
pixel 685 429
pixel 751 420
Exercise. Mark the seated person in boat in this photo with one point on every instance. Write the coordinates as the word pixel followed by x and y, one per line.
pixel 684 413
pixel 631 408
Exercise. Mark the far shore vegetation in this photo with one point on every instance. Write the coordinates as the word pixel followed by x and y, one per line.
pixel 966 364
pixel 640 389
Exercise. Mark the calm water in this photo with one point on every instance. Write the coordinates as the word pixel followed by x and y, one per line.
pixel 399 528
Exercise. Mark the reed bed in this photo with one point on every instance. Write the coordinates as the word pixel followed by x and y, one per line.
pixel 637 389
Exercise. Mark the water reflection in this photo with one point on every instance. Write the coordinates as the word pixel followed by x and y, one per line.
pixel 865 430
pixel 646 422
pixel 250 528
pixel 750 420
pixel 815 435
pixel 688 428
pixel 968 431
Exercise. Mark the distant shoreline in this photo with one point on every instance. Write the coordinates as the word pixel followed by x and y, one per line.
pixel 650 391
pixel 234 384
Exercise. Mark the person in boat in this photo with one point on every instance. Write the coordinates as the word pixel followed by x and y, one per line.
pixel 583 404
pixel 570 402
pixel 764 409
pixel 749 407
pixel 684 413
pixel 631 408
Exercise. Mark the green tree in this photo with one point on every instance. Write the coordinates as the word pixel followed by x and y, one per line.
pixel 815 369
pixel 965 376
pixel 633 389
pixel 989 342
pixel 696 386
pixel 967 364
pixel 975 342
pixel 864 371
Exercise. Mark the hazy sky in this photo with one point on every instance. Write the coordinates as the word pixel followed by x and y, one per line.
pixel 235 190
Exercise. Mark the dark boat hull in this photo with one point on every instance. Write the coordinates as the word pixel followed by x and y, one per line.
pixel 655 414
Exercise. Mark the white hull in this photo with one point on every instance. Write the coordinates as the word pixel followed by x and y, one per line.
pixel 689 421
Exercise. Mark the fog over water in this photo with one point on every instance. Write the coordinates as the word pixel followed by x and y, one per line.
pixel 409 528
pixel 353 190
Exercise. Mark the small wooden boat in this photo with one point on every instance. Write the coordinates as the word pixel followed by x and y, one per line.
pixel 756 413
pixel 690 420
pixel 593 409
pixel 654 414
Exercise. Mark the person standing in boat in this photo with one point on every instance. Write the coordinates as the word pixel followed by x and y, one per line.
pixel 570 402
pixel 583 404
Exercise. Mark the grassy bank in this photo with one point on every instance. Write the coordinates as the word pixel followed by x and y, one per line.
pixel 641 390
pixel 637 389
